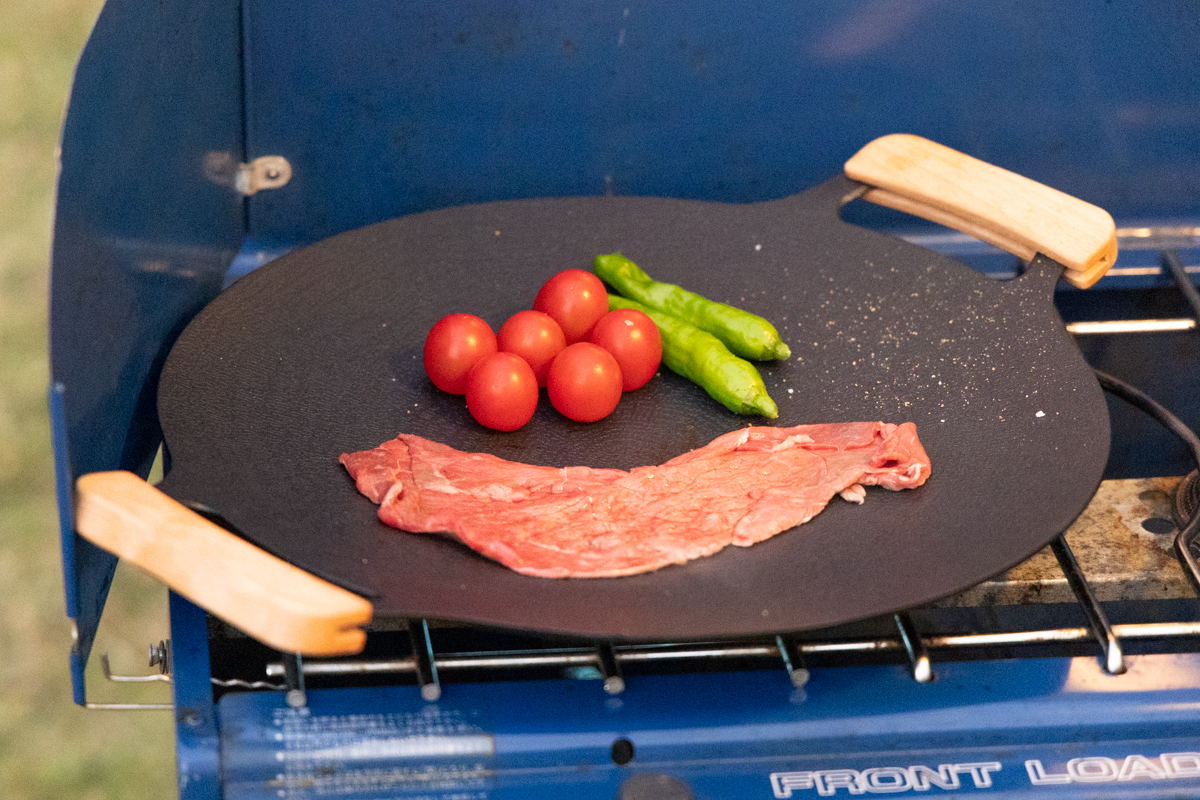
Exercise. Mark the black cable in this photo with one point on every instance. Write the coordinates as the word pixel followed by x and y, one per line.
pixel 1138 399
pixel 1171 261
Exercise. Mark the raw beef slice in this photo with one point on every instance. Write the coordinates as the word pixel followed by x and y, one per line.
pixel 743 487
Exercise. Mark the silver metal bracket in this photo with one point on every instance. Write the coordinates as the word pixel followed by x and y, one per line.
pixel 160 657
pixel 108 674
pixel 264 172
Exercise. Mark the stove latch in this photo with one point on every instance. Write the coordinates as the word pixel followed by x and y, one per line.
pixel 264 172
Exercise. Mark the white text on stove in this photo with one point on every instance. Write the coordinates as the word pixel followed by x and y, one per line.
pixel 1098 769
pixel 884 780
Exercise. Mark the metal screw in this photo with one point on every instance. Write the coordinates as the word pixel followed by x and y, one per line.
pixel 160 656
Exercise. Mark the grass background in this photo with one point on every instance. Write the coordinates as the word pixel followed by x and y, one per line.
pixel 50 748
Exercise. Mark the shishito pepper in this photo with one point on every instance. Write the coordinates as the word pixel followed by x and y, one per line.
pixel 702 358
pixel 745 334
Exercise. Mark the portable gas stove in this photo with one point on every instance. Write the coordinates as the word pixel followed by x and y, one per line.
pixel 205 140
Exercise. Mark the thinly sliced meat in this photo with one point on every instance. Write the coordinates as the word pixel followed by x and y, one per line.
pixel 741 488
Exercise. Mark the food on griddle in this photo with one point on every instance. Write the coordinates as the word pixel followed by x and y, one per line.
pixel 502 392
pixel 584 382
pixel 745 334
pixel 702 358
pixel 634 341
pixel 742 488
pixel 535 337
pixel 588 384
pixel 455 344
pixel 576 300
pixel 636 338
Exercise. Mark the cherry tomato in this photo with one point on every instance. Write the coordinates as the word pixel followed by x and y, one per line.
pixel 576 300
pixel 584 382
pixel 502 392
pixel 634 341
pixel 454 345
pixel 535 337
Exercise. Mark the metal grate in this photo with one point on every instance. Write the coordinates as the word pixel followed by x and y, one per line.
pixel 789 652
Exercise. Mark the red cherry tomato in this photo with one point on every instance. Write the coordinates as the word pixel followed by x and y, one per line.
pixel 502 392
pixel 455 344
pixel 535 337
pixel 634 341
pixel 576 300
pixel 584 382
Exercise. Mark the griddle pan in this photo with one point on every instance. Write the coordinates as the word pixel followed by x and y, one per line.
pixel 319 353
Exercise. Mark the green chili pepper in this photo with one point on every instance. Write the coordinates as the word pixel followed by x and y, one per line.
pixel 745 334
pixel 701 357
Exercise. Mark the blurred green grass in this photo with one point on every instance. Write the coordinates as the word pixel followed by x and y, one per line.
pixel 50 748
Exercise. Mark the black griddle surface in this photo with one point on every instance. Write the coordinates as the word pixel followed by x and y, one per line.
pixel 319 353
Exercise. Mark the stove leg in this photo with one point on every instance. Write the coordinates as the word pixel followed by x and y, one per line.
pixel 196 730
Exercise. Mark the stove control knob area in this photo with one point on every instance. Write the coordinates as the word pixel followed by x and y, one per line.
pixel 654 786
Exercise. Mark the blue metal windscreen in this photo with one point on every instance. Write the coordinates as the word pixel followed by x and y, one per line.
pixel 403 107
pixel 147 222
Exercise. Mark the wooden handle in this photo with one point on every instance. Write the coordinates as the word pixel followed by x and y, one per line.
pixel 1019 215
pixel 279 604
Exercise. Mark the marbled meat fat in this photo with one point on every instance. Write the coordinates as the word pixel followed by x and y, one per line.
pixel 578 522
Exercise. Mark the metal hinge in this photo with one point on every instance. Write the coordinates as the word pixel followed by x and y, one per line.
pixel 264 172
